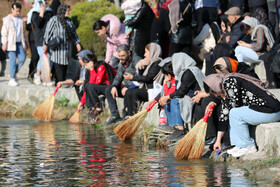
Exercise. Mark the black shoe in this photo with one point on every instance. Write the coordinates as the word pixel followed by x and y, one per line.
pixel 210 141
pixel 94 116
pixel 177 135
pixel 112 120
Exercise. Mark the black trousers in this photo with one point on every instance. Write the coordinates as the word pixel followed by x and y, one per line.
pixel 212 123
pixel 112 102
pixel 92 93
pixel 132 96
pixel 34 59
pixel 60 72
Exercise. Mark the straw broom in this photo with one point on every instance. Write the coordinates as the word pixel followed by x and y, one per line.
pixel 127 129
pixel 76 117
pixel 44 111
pixel 192 145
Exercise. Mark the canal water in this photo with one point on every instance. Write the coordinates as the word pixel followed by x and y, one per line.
pixel 63 154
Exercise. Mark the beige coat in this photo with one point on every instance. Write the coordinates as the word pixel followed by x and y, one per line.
pixel 8 33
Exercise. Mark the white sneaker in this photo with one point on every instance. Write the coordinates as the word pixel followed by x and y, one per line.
pixel 37 79
pixel 44 84
pixel 244 151
pixel 230 151
pixel 13 83
pixel 51 83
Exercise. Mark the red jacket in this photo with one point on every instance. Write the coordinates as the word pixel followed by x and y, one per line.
pixel 97 77
pixel 168 91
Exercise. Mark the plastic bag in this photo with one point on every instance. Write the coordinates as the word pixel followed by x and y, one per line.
pixel 46 71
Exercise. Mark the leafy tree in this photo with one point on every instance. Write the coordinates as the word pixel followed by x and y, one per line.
pixel 84 15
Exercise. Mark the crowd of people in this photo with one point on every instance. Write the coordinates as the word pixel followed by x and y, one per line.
pixel 185 54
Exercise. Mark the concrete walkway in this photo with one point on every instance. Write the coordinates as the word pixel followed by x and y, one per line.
pixel 267 135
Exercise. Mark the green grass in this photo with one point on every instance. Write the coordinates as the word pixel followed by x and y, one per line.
pixel 63 101
pixel 266 163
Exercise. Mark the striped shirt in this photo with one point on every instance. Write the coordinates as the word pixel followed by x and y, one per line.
pixel 63 54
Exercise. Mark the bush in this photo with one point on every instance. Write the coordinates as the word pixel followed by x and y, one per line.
pixel 84 15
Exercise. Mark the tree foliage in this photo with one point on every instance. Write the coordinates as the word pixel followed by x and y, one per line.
pixel 84 15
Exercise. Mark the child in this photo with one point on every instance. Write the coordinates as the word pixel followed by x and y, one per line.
pixel 130 7
pixel 13 41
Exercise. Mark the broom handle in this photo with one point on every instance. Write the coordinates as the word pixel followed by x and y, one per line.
pixel 45 53
pixel 205 118
pixel 55 91
pixel 79 110
pixel 151 105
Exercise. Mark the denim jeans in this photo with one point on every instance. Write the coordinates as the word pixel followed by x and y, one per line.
pixel 40 53
pixel 13 55
pixel 240 118
pixel 173 113
pixel 245 54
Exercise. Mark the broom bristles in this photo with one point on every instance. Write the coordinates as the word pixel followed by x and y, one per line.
pixel 183 149
pixel 198 145
pixel 44 111
pixel 127 129
pixel 75 118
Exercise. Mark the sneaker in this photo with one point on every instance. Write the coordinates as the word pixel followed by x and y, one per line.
pixel 210 141
pixel 13 83
pixel 51 83
pixel 37 79
pixel 44 84
pixel 112 120
pixel 230 151
pixel 244 151
pixel 165 128
pixel 177 135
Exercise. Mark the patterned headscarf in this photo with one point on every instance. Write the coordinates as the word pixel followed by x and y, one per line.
pixel 61 17
pixel 154 5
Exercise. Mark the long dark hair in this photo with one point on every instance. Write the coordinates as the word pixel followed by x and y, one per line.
pixel 91 57
pixel 61 17
pixel 99 24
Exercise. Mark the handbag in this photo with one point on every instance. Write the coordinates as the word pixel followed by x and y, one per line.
pixel 54 43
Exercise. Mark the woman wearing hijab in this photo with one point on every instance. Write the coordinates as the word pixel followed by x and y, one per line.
pixel 38 17
pixel 149 71
pixel 188 77
pixel 245 102
pixel 62 27
pixel 230 65
pixel 110 27
pixel 261 37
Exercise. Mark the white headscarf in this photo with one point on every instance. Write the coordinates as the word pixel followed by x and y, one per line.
pixel 254 23
pixel 36 8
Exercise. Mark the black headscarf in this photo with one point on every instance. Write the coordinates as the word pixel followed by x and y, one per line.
pixel 61 17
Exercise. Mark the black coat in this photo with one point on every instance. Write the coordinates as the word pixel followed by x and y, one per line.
pixel 184 33
pixel 39 26
pixel 141 24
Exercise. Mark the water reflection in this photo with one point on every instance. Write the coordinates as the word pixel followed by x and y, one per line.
pixel 63 154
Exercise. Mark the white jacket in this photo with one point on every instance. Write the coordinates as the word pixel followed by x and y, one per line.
pixel 8 34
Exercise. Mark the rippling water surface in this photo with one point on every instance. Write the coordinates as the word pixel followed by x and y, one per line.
pixel 63 154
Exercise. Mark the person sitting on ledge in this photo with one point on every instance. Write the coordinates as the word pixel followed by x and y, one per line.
pixel 78 78
pixel 245 102
pixel 98 77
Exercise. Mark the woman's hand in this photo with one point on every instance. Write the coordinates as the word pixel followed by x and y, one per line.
pixel 143 62
pixel 59 84
pixel 4 47
pixel 80 106
pixel 198 96
pixel 244 44
pixel 163 100
pixel 207 108
pixel 128 76
pixel 79 48
pixel 79 82
pixel 217 146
